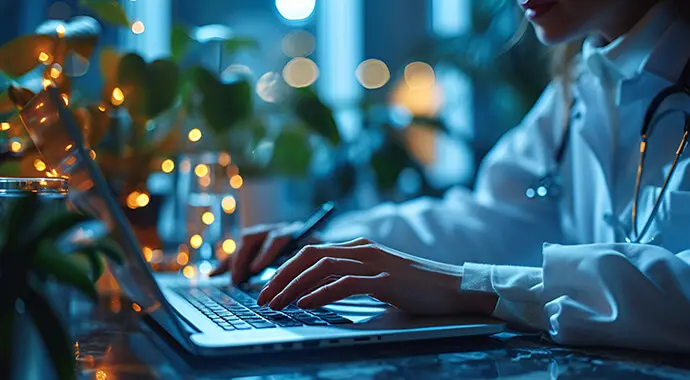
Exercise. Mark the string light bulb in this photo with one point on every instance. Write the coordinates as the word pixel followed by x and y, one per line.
pixel 132 199
pixel 118 97
pixel 65 99
pixel 138 27
pixel 143 200
pixel 229 246
pixel 16 146
pixel 43 57
pixel 4 126
pixel 189 272
pixel 236 181
pixel 55 71
pixel 229 204
pixel 39 165
pixel 60 30
pixel 182 258
pixel 201 170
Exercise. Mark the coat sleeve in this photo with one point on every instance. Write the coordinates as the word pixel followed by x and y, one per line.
pixel 463 225
pixel 619 295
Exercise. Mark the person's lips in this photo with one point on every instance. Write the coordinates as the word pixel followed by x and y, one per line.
pixel 535 9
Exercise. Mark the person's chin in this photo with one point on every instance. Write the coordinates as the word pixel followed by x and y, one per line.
pixel 550 37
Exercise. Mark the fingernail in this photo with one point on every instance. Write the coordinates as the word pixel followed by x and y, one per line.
pixel 303 303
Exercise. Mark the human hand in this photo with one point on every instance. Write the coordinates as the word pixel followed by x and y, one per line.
pixel 258 248
pixel 320 275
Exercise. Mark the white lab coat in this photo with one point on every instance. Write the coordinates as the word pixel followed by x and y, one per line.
pixel 556 265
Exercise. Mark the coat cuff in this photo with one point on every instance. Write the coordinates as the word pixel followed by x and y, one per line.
pixel 518 288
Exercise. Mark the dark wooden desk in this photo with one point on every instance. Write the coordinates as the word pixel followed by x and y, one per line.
pixel 116 346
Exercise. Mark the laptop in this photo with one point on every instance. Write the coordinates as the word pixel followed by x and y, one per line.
pixel 209 317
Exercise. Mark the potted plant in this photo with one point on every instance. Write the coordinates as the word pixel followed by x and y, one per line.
pixel 34 336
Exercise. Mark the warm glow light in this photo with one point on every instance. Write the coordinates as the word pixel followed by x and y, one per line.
pixel 43 120
pixel 196 241
pixel 55 71
pixel 39 165
pixel 419 76
pixel 65 99
pixel 373 74
pixel 132 199
pixel 43 57
pixel 5 126
pixel 92 153
pixel 423 102
pixel 148 253
pixel 138 27
pixel 189 272
pixel 201 170
pixel 101 108
pixel 60 30
pixel 118 97
pixel 47 83
pixel 229 246
pixel 194 135
pixel 143 200
pixel 300 72
pixel 100 374
pixel 208 218
pixel 182 258
pixel 224 159
pixel 16 146
pixel 236 181
pixel 168 166
pixel 229 204
pixel 68 147
pixel 136 307
pixel 205 181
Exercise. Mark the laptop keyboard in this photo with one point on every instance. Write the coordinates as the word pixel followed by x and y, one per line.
pixel 233 309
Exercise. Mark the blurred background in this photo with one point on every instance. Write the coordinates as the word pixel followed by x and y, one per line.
pixel 210 115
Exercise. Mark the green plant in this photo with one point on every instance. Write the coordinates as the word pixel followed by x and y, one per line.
pixel 29 256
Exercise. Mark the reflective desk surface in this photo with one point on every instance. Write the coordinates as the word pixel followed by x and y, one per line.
pixel 113 344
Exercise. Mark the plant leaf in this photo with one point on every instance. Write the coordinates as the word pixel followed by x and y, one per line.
pixel 55 225
pixel 223 105
pixel 292 153
pixel 163 82
pixel 65 269
pixel 388 163
pixel 107 248
pixel 109 11
pixel 52 331
pixel 93 261
pixel 10 169
pixel 109 61
pixel 179 42
pixel 82 33
pixel 316 115
pixel 233 45
pixel 131 78
pixel 20 55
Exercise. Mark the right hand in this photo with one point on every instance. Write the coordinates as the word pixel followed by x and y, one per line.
pixel 258 248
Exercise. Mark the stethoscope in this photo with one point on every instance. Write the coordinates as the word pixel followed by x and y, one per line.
pixel 550 185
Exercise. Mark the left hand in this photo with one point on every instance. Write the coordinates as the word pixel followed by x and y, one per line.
pixel 320 275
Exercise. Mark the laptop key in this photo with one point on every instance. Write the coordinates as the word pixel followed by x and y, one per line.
pixel 226 326
pixel 262 325
pixel 241 326
pixel 288 323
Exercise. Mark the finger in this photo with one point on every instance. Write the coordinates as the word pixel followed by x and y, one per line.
pixel 250 242
pixel 308 279
pixel 271 247
pixel 353 243
pixel 223 267
pixel 307 257
pixel 343 288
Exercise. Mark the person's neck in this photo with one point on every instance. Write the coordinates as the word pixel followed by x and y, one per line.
pixel 627 20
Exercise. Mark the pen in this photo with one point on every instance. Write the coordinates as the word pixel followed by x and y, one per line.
pixel 299 238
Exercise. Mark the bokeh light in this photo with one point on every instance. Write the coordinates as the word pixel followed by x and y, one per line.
pixel 189 271
pixel 270 87
pixel 236 181
pixel 65 99
pixel 138 27
pixel 4 126
pixel 205 181
pixel 300 72
pixel 201 170
pixel 143 200
pixel 194 135
pixel 39 165
pixel 373 74
pixel 298 43
pixel 224 159
pixel 295 10
pixel 16 146
pixel 182 258
pixel 419 75
pixel 229 246
pixel 148 253
pixel 196 241
pixel 168 166
pixel 132 199
pixel 208 218
pixel 43 57
pixel 55 71
pixel 229 204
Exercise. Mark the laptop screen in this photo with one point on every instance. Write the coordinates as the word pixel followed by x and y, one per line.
pixel 60 141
